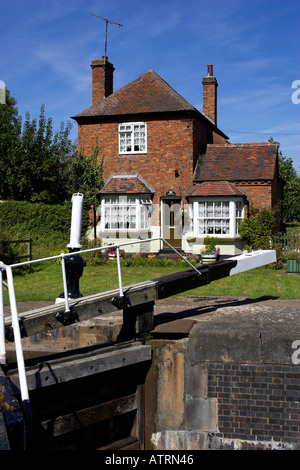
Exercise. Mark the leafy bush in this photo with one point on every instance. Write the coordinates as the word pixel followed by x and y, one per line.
pixel 290 255
pixel 8 251
pixel 258 228
pixel 47 225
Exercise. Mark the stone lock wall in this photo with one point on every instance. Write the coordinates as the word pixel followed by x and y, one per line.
pixel 227 385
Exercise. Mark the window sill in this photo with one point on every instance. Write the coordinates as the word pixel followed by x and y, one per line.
pixel 200 238
pixel 124 234
pixel 133 153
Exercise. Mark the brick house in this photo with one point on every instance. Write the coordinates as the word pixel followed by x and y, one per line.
pixel 169 170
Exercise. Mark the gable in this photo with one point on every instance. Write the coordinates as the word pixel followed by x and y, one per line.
pixel 147 94
pixel 237 162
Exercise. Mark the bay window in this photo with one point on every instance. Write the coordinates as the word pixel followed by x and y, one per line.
pixel 217 217
pixel 122 212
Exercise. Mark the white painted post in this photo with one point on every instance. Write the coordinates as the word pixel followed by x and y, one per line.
pixel 119 272
pixel 77 202
pixel 17 336
pixel 2 323
pixel 64 276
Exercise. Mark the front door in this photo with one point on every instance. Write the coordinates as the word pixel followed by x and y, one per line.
pixel 171 222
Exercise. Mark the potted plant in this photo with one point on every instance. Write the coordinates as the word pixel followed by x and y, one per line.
pixel 210 252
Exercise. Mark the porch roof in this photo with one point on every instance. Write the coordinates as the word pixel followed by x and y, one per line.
pixel 216 188
pixel 126 184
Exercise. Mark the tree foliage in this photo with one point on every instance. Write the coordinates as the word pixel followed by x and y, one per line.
pixel 291 189
pixel 10 130
pixel 290 206
pixel 44 161
pixel 41 165
pixel 85 175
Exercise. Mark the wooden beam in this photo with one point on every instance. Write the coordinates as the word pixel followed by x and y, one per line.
pixel 49 318
pixel 88 416
pixel 69 367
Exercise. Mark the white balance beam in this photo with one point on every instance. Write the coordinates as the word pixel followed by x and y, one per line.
pixel 252 260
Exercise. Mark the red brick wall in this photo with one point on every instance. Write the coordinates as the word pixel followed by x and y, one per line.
pixel 172 144
pixel 258 404
pixel 102 82
pixel 259 194
pixel 263 195
pixel 210 98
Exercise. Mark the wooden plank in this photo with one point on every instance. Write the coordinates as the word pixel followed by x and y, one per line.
pixel 128 443
pixel 96 361
pixel 88 416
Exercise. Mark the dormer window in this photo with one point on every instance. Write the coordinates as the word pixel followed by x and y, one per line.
pixel 132 137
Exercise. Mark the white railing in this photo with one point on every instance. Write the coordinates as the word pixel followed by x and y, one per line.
pixel 13 303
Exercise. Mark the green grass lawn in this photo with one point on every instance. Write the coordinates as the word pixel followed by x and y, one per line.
pixel 45 282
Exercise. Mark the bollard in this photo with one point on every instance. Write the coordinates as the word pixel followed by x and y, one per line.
pixel 74 265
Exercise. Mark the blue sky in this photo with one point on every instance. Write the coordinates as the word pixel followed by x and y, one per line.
pixel 47 48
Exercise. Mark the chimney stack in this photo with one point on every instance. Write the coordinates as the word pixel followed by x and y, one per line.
pixel 210 85
pixel 102 78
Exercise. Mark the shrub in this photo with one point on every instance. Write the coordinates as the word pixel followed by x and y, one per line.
pixel 258 228
pixel 8 251
pixel 47 225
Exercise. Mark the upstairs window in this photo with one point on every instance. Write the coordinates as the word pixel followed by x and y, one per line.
pixel 133 137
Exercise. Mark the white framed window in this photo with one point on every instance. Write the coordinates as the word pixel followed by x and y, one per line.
pixel 133 137
pixel 239 213
pixel 122 212
pixel 218 217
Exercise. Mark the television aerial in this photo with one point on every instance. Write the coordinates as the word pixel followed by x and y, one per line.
pixel 107 22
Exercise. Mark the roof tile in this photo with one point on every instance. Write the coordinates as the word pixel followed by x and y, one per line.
pixel 216 188
pixel 148 93
pixel 236 162
pixel 126 184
